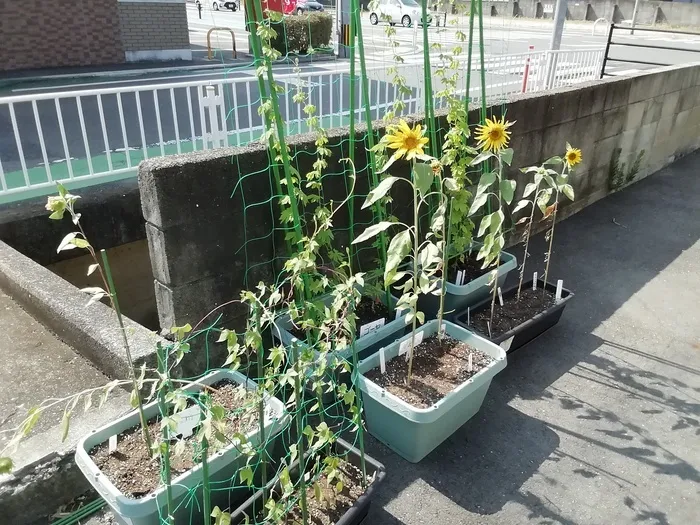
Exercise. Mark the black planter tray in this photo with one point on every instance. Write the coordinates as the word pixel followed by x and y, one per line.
pixel 355 515
pixel 527 331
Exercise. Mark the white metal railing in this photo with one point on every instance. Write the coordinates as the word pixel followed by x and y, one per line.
pixel 93 134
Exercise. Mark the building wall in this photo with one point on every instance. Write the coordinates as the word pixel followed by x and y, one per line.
pixel 154 30
pixel 37 34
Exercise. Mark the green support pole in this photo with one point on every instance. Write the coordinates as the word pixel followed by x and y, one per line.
pixel 481 59
pixel 351 145
pixel 376 208
pixel 469 57
pixel 263 96
pixel 279 125
pixel 427 72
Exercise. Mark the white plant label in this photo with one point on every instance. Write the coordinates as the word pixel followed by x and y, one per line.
pixel 382 361
pixel 372 327
pixel 470 366
pixel 500 297
pixel 488 325
pixel 405 346
pixel 560 286
pixel 460 278
pixel 443 327
pixel 112 443
pixel 534 281
pixel 189 420
pixel 506 344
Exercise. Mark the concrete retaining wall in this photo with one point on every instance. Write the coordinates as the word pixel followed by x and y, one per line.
pixel 627 128
pixel 649 12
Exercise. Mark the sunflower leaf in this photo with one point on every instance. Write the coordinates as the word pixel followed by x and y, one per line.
pixel 507 156
pixel 485 181
pixel 423 177
pixel 481 157
pixel 507 190
pixel 380 191
pixel 568 190
pixel 372 231
pixel 478 203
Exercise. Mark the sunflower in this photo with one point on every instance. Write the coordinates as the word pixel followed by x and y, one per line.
pixel 573 156
pixel 406 141
pixel 493 135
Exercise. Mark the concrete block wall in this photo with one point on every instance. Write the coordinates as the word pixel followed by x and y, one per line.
pixel 194 208
pixel 154 30
pixel 649 12
pixel 63 33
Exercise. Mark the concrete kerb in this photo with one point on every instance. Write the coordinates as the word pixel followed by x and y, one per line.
pixel 60 306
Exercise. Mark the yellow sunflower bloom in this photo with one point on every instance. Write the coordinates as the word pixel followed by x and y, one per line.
pixel 493 135
pixel 573 156
pixel 406 141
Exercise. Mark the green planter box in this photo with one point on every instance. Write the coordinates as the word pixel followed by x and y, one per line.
pixel 223 466
pixel 365 346
pixel 457 298
pixel 414 432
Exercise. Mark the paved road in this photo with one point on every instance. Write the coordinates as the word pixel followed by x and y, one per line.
pixel 125 140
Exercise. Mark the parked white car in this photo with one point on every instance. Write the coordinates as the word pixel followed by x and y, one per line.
pixel 405 12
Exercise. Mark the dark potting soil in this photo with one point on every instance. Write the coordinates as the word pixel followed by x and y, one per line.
pixel 333 505
pixel 469 265
pixel 439 365
pixel 512 313
pixel 135 473
pixel 367 311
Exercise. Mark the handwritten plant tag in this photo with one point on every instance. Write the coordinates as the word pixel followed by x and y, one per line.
pixel 112 444
pixel 405 346
pixel 382 361
pixel 500 297
pixel 370 328
pixel 470 366
pixel 189 420
pixel 560 287
pixel 534 281
pixel 459 281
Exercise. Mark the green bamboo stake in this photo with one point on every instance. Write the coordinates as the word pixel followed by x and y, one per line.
pixel 263 96
pixel 351 153
pixel 260 353
pixel 481 59
pixel 279 124
pixel 427 73
pixel 300 434
pixel 166 475
pixel 485 166
pixel 125 340
pixel 206 486
pixel 469 57
pixel 376 208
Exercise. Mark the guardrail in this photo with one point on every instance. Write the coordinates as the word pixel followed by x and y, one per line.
pixel 631 29
pixel 94 135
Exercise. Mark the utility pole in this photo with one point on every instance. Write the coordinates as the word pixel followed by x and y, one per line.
pixel 555 42
pixel 559 19
pixel 634 15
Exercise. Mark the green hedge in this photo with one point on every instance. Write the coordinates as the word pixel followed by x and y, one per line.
pixel 296 33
